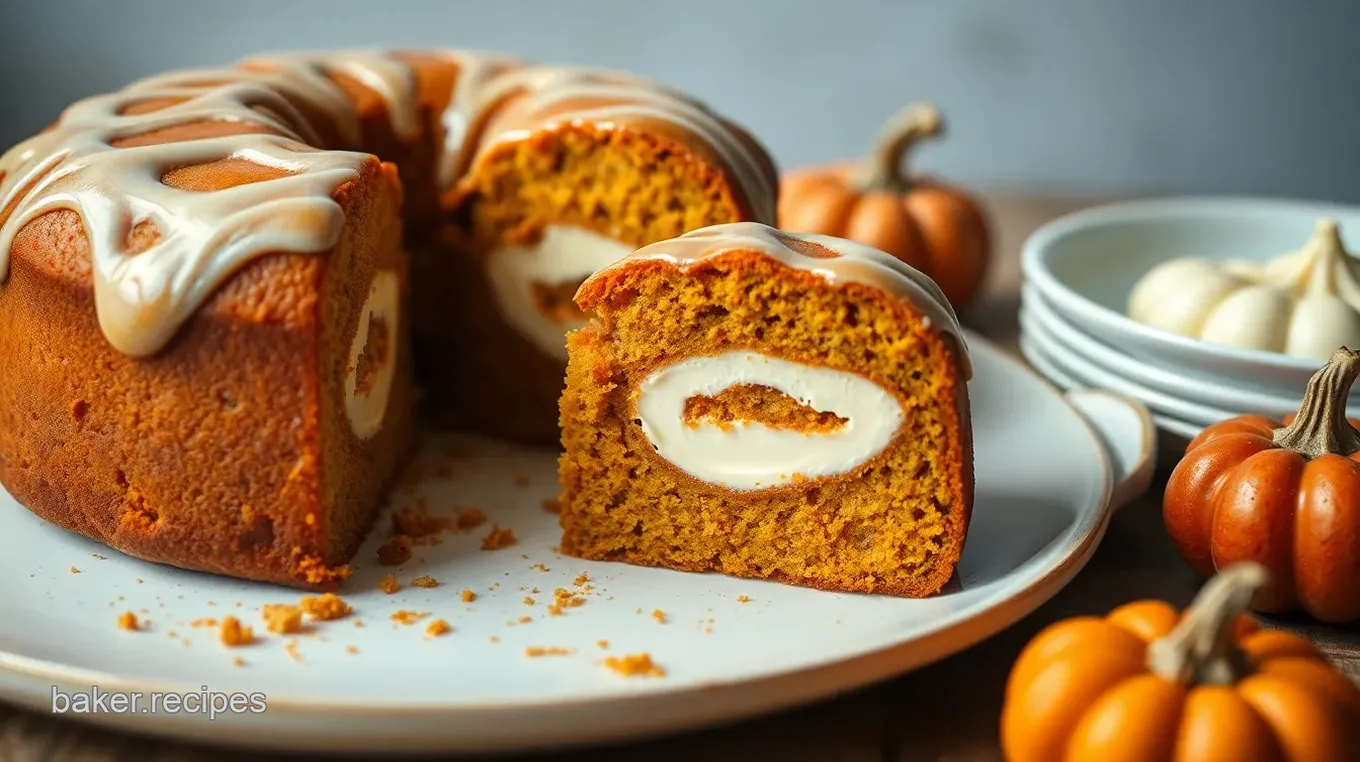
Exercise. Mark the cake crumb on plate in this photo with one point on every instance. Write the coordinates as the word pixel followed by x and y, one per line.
pixel 426 581
pixel 635 665
pixel 470 518
pixel 659 616
pixel 438 627
pixel 408 617
pixel 325 607
pixel 74 570
pixel 498 538
pixel 395 551
pixel 743 599
pixel 533 652
pixel 232 633
pixel 282 618
pixel 351 650
pixel 469 596
pixel 389 584
pixel 128 621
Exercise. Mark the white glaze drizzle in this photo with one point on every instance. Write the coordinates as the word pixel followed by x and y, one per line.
pixel 142 299
pixel 615 99
pixel 750 455
pixel 853 263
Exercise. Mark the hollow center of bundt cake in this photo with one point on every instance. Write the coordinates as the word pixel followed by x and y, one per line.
pixel 758 403
pixel 798 421
pixel 534 282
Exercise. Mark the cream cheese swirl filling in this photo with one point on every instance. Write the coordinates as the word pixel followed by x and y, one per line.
pixel 750 455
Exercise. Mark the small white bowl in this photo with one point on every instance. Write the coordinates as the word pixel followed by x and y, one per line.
pixel 1040 316
pixel 1040 361
pixel 1086 264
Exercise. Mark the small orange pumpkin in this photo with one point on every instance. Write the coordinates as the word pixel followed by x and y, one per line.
pixel 1146 684
pixel 1286 495
pixel 937 228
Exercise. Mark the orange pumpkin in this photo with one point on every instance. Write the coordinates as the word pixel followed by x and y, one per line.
pixel 935 227
pixel 1146 684
pixel 1286 495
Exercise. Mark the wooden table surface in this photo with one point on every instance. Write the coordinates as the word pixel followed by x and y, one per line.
pixel 948 711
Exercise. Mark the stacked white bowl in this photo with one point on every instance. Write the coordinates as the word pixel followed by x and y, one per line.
pixel 1080 270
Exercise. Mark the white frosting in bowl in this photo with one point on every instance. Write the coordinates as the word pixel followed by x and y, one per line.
pixel 750 455
pixel 564 254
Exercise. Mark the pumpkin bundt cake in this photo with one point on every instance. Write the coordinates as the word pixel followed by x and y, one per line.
pixel 209 320
pixel 770 405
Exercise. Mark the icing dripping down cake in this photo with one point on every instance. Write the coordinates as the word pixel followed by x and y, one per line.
pixel 769 405
pixel 218 287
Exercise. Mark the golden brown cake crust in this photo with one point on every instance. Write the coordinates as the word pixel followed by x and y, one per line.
pixel 869 530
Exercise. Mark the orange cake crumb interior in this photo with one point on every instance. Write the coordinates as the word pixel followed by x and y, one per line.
pixel 758 403
pixel 877 528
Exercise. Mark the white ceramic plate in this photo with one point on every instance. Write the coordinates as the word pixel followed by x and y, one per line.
pixel 1039 356
pixel 1087 263
pixel 1040 512
pixel 1224 396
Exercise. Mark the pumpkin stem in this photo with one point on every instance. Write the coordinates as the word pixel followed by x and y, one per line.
pixel 882 169
pixel 1321 427
pixel 1201 649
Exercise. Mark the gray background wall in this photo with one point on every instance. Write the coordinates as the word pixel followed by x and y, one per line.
pixel 1248 96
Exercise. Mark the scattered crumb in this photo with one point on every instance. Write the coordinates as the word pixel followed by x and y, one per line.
pixel 389 584
pixel 238 662
pixel 96 555
pixel 552 506
pixel 325 607
pixel 282 618
pixel 171 635
pixel 128 621
pixel 74 570
pixel 539 567
pixel 207 622
pixel 395 551
pixel 351 649
pixel 634 665
pixel 121 598
pixel 358 623
pixel 522 480
pixel 533 652
pixel 601 644
pixel 470 518
pixel 564 599
pixel 528 601
pixel 743 599
pixel 233 633
pixel 581 579
pixel 417 523
pixel 525 619
pixel 210 603
pixel 495 639
pixel 408 617
pixel 498 538
pixel 438 627
pixel 659 616
pixel 292 650
pixel 425 581
pixel 138 580
pixel 469 596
